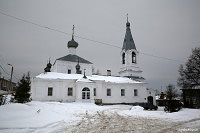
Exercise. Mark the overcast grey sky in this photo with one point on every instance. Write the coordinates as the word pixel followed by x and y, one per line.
pixel 166 28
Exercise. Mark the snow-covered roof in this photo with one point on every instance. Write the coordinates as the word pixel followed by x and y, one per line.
pixel 79 77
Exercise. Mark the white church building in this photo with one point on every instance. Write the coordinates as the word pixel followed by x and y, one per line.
pixel 70 79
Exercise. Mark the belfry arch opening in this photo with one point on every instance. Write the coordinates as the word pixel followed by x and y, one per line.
pixel 123 58
pixel 133 57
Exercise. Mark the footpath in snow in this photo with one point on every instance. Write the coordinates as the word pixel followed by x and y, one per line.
pixel 77 117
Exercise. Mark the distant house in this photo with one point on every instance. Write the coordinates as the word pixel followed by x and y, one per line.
pixel 6 85
pixel 6 88
pixel 191 97
pixel 162 100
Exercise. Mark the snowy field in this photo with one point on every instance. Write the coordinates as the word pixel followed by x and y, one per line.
pixel 55 117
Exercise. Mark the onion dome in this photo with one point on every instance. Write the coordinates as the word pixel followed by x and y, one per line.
pixel 72 43
pixel 78 67
pixel 48 68
pixel 49 64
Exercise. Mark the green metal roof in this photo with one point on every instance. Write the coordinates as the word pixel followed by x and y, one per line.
pixel 74 58
pixel 128 40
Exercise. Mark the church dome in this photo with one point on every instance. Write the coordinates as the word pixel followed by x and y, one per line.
pixel 49 64
pixel 78 67
pixel 72 43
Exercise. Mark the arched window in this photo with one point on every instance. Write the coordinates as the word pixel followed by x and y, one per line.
pixel 123 58
pixel 85 93
pixel 133 57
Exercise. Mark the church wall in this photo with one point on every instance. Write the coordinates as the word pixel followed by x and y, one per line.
pixel 63 66
pixel 79 88
pixel 126 69
pixel 39 90
pixel 151 92
pixel 129 93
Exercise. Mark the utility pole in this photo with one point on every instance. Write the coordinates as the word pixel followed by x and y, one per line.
pixel 11 76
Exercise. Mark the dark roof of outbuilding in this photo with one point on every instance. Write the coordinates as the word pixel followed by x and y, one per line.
pixel 74 58
pixel 128 40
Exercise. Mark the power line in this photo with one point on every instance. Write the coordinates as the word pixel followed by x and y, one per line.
pixel 84 38
pixel 162 57
pixel 5 70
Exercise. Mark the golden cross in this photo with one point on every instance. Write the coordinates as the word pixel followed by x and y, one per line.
pixel 73 31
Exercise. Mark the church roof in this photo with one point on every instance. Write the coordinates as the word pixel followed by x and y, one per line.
pixel 79 78
pixel 128 40
pixel 74 58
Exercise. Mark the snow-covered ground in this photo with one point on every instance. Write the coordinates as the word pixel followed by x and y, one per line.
pixel 84 117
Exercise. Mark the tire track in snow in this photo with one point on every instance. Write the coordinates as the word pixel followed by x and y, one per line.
pixel 110 121
pixel 176 127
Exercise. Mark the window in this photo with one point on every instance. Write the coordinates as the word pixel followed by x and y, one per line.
pixel 95 93
pixel 194 100
pixel 123 58
pixel 69 71
pixel 50 91
pixel 83 95
pixel 122 92
pixel 133 57
pixel 135 92
pixel 108 92
pixel 86 93
pixel 70 92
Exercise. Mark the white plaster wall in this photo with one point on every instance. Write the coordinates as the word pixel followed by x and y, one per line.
pixel 129 68
pixel 129 93
pixel 63 66
pixel 72 51
pixel 151 92
pixel 39 90
pixel 80 86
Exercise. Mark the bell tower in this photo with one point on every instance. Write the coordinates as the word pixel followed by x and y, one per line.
pixel 129 57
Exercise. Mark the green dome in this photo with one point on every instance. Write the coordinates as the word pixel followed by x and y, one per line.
pixel 72 43
pixel 78 66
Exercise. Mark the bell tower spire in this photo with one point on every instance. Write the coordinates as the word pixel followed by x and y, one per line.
pixel 127 17
pixel 129 57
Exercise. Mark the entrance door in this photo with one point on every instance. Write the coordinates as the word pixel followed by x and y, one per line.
pixel 150 99
pixel 86 93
